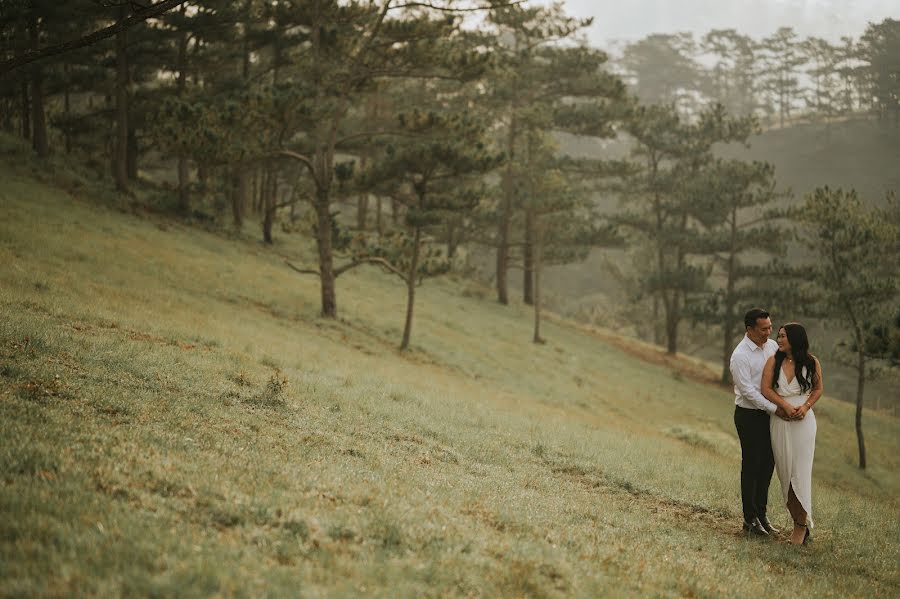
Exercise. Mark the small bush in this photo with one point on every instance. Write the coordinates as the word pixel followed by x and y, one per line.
pixel 273 394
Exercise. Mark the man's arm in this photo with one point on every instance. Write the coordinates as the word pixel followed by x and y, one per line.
pixel 748 388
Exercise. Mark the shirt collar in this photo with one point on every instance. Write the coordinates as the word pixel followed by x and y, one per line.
pixel 752 346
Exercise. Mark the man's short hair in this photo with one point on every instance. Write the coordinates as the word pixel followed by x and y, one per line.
pixel 753 315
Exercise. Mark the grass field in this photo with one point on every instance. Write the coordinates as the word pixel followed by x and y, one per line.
pixel 177 420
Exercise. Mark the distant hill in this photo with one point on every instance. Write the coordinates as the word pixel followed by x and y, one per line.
pixel 860 153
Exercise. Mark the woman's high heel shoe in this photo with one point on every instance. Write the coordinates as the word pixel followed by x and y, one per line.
pixel 806 535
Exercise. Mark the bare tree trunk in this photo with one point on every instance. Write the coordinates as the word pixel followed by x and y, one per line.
pixel 657 329
pixel 379 225
pixel 362 211
pixel 38 118
pixel 453 238
pixel 121 149
pixel 67 110
pixel 238 192
pixel 411 289
pixel 506 213
pixel 727 340
pixel 269 207
pixel 254 190
pixel 184 175
pixel 538 241
pixel 132 155
pixel 670 304
pixel 503 261
pixel 729 316
pixel 261 190
pixel 26 110
pixel 528 258
pixel 860 386
pixel 326 258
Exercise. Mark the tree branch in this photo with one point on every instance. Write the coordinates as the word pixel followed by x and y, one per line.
pixel 452 9
pixel 304 159
pixel 304 271
pixel 365 134
pixel 371 260
pixel 139 15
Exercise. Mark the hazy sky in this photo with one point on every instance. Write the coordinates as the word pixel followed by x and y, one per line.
pixel 633 19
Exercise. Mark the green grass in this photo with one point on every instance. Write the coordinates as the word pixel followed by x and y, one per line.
pixel 177 420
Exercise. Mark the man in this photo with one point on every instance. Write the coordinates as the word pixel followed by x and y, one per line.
pixel 751 419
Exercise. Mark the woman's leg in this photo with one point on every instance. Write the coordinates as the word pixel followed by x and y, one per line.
pixel 799 515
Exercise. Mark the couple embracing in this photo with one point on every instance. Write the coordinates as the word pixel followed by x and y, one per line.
pixel 776 384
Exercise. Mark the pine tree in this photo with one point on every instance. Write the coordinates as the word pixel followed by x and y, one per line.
pixel 880 50
pixel 733 77
pixel 664 200
pixel 856 276
pixel 782 59
pixel 436 153
pixel 739 216
pixel 351 48
pixel 520 81
pixel 662 70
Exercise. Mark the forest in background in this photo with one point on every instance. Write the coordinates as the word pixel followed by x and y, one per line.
pixel 416 137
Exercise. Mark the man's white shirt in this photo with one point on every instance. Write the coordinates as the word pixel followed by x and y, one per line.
pixel 747 362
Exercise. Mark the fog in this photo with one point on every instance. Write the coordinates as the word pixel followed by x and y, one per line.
pixel 637 18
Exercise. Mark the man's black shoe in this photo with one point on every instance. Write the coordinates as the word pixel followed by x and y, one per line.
pixel 768 526
pixel 755 528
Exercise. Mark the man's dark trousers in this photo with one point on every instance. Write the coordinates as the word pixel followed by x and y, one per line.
pixel 757 461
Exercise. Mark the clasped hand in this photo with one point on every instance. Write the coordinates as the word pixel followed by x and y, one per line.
pixel 791 413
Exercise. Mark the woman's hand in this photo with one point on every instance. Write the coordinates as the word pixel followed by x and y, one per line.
pixel 801 412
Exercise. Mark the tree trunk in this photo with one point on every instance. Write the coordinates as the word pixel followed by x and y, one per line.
pixel 411 289
pixel 67 106
pixel 379 226
pixel 362 211
pixel 452 239
pixel 184 175
pixel 657 329
pixel 184 179
pixel 528 259
pixel 261 190
pixel 132 155
pixel 503 261
pixel 671 308
pixel 326 259
pixel 727 338
pixel 26 110
pixel 269 207
pixel 238 188
pixel 120 160
pixel 506 213
pixel 860 385
pixel 38 118
pixel 537 287
pixel 729 316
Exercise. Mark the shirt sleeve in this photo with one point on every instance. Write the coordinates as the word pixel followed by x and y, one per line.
pixel 747 387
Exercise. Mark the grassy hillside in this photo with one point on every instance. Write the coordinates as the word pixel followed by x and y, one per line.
pixel 176 419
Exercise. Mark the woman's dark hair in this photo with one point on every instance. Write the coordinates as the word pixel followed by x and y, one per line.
pixel 796 336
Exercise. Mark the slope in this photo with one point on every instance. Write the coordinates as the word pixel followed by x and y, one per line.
pixel 176 419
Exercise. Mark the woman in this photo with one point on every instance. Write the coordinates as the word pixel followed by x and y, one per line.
pixel 792 380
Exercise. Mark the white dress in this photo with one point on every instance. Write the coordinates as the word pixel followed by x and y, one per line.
pixel 793 444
